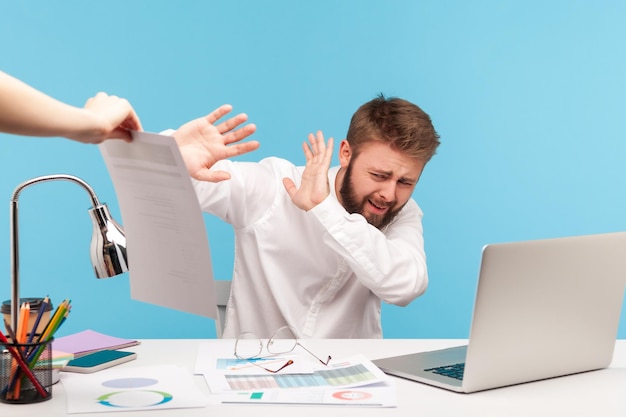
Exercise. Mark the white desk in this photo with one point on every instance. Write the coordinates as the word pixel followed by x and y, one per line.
pixel 597 393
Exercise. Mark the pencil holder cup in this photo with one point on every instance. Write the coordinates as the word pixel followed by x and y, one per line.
pixel 25 372
pixel 36 304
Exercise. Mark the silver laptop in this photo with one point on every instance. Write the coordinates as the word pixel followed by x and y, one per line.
pixel 543 309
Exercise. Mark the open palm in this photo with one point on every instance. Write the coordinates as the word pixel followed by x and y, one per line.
pixel 314 187
pixel 202 143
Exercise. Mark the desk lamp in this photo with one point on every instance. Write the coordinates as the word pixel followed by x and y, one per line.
pixel 108 243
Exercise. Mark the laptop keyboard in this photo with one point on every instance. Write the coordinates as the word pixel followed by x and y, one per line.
pixel 453 371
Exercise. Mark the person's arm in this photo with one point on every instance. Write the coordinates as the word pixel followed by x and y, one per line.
pixel 391 264
pixel 246 196
pixel 25 110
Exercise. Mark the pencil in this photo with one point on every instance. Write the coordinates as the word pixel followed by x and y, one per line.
pixel 58 314
pixel 22 325
pixel 13 373
pixel 10 331
pixel 54 321
pixel 42 308
pixel 53 325
pixel 18 357
pixel 22 330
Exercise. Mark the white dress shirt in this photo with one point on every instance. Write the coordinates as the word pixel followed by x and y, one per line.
pixel 323 272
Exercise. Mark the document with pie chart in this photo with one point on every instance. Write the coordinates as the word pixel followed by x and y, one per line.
pixel 132 389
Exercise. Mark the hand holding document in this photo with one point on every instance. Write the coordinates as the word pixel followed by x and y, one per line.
pixel 168 249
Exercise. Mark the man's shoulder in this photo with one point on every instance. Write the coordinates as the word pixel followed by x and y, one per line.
pixel 410 206
pixel 277 162
pixel 410 211
pixel 281 166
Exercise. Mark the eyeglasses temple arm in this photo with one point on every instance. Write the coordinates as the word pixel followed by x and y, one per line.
pixel 315 356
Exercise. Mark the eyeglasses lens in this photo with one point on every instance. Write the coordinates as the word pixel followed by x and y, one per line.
pixel 247 346
pixel 282 341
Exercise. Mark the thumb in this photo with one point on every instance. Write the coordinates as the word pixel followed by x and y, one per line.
pixel 290 187
pixel 210 176
pixel 120 133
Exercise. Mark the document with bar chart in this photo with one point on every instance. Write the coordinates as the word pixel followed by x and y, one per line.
pixel 349 373
pixel 348 381
pixel 382 394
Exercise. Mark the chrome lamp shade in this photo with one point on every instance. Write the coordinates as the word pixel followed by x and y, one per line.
pixel 108 242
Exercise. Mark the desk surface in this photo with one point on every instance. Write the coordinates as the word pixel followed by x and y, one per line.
pixel 597 393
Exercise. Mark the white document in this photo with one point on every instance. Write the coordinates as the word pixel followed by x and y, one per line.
pixel 132 389
pixel 382 394
pixel 353 381
pixel 356 371
pixel 168 250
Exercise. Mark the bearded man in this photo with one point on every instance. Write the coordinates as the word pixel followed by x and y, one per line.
pixel 318 248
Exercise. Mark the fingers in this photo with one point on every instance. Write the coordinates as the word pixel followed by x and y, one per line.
pixel 241 148
pixel 317 142
pixel 218 113
pixel 132 122
pixel 232 123
pixel 328 156
pixel 308 154
pixel 115 113
pixel 239 134
pixel 100 96
pixel 314 187
pixel 228 129
pixel 317 149
pixel 120 133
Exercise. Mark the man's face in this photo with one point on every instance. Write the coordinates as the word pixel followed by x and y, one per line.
pixel 377 182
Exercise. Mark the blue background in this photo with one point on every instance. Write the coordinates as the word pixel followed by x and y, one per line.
pixel 528 97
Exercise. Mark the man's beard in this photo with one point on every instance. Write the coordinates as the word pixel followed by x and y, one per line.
pixel 352 205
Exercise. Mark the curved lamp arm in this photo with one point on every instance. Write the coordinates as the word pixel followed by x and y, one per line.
pixel 108 243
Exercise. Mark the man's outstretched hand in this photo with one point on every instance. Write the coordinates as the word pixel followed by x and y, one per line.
pixel 314 187
pixel 202 143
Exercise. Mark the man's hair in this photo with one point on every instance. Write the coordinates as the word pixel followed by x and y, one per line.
pixel 397 122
